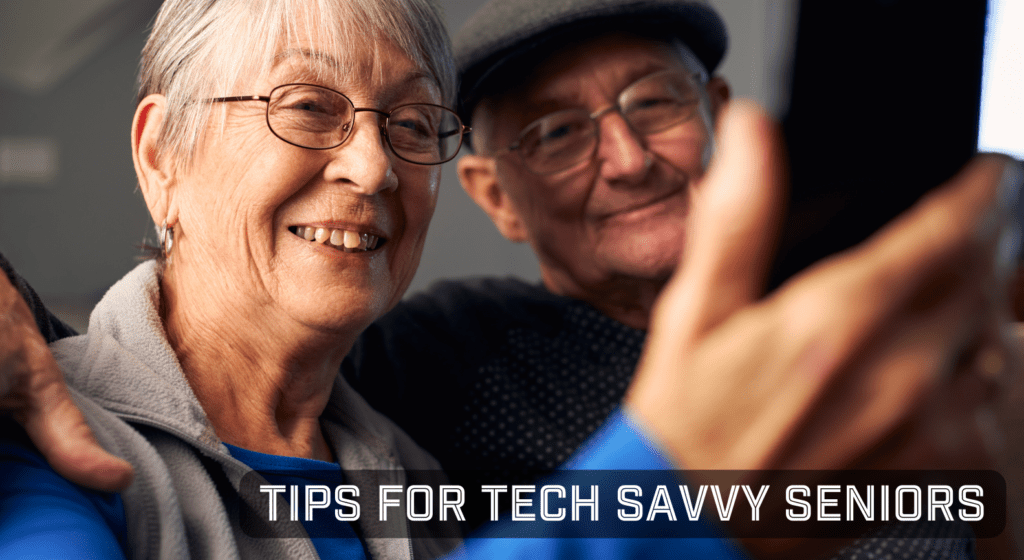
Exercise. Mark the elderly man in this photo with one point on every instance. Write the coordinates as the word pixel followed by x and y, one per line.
pixel 592 129
pixel 593 124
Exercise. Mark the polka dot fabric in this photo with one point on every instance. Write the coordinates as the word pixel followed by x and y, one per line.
pixel 500 375
pixel 533 404
pixel 919 541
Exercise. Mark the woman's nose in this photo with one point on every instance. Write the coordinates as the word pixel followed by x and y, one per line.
pixel 364 163
pixel 622 153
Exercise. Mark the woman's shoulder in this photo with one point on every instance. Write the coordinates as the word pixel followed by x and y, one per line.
pixel 45 515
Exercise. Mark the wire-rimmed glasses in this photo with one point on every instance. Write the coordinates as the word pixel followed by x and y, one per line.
pixel 319 118
pixel 560 140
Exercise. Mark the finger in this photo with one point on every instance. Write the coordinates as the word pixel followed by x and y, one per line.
pixel 951 225
pixel 33 389
pixel 59 431
pixel 918 289
pixel 887 379
pixel 734 223
pixel 909 266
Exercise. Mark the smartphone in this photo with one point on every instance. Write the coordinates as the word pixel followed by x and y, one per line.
pixel 883 105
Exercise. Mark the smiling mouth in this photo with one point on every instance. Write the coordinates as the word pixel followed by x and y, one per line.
pixel 342 239
pixel 642 206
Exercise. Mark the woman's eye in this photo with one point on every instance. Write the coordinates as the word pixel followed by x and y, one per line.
pixel 415 121
pixel 311 106
pixel 419 127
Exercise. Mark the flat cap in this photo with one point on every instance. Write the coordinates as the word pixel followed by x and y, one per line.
pixel 510 36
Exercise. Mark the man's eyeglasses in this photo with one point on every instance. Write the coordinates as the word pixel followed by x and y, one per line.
pixel 652 104
pixel 320 118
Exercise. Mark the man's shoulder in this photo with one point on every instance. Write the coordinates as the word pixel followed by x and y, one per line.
pixel 48 324
pixel 485 302
pixel 449 328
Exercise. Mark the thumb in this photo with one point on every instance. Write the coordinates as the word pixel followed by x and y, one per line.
pixel 733 226
pixel 59 431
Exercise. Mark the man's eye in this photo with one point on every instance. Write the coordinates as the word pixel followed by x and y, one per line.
pixel 558 133
pixel 562 132
pixel 652 103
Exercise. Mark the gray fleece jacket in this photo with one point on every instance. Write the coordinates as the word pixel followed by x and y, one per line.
pixel 185 499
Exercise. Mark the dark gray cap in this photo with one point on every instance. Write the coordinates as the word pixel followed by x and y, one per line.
pixel 506 38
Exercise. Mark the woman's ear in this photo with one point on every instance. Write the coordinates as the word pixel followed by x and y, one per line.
pixel 479 178
pixel 154 170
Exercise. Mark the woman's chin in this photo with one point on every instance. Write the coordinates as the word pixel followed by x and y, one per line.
pixel 344 286
pixel 348 299
pixel 339 305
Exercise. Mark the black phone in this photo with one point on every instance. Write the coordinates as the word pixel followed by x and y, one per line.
pixel 883 105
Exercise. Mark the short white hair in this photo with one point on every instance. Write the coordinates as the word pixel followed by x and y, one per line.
pixel 200 49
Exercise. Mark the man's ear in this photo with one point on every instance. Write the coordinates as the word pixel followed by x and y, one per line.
pixel 154 170
pixel 718 94
pixel 478 175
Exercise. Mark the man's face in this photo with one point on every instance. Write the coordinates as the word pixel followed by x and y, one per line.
pixel 621 215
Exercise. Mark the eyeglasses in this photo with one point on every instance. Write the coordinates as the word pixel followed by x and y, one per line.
pixel 320 118
pixel 652 104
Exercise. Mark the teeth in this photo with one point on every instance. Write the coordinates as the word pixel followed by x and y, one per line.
pixel 351 240
pixel 346 240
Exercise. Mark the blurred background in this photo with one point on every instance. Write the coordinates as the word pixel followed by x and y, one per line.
pixel 72 219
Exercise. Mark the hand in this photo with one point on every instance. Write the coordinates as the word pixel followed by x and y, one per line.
pixel 842 366
pixel 33 390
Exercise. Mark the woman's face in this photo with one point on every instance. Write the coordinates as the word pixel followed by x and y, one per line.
pixel 243 206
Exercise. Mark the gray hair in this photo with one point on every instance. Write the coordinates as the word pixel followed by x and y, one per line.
pixel 200 49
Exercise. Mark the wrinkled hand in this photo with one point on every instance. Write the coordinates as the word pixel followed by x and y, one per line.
pixel 883 356
pixel 32 389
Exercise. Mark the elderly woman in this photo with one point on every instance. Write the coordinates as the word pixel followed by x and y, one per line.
pixel 289 150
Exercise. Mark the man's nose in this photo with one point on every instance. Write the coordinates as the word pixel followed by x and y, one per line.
pixel 622 153
pixel 364 163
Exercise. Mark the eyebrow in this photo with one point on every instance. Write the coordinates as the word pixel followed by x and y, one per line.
pixel 415 75
pixel 571 95
pixel 308 53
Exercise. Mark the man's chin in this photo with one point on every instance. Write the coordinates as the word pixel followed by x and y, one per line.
pixel 644 258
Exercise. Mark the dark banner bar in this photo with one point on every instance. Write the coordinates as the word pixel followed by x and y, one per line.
pixel 631 504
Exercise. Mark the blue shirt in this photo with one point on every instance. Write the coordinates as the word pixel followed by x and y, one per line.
pixel 297 470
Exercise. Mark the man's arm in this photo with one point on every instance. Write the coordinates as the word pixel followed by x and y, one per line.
pixel 32 389
pixel 49 325
pixel 885 356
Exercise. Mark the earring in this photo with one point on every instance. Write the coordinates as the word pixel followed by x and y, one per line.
pixel 166 239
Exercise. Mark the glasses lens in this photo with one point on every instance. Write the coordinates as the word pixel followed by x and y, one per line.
pixel 660 101
pixel 309 116
pixel 423 133
pixel 557 141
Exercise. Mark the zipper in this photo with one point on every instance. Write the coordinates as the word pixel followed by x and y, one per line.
pixel 212 453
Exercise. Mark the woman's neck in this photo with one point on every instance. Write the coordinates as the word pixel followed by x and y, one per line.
pixel 262 380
